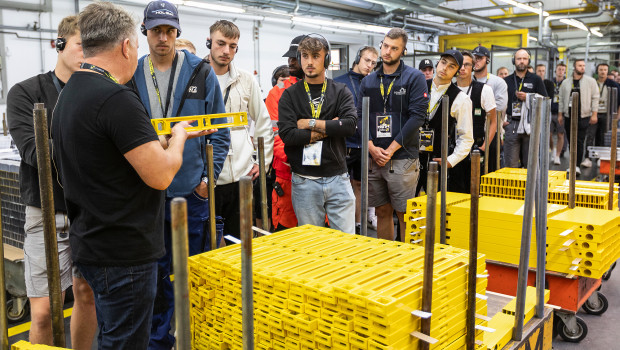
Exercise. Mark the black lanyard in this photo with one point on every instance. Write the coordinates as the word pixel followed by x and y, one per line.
pixel 170 83
pixel 469 88
pixel 98 70
pixel 56 82
pixel 353 86
pixel 521 85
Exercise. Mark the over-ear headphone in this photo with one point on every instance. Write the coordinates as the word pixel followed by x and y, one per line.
pixel 529 56
pixel 210 43
pixel 328 56
pixel 401 55
pixel 60 44
pixel 143 30
pixel 274 79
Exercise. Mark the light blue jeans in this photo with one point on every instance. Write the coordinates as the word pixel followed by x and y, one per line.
pixel 313 199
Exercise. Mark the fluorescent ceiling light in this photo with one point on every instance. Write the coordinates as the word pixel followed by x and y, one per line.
pixel 526 7
pixel 211 6
pixel 349 25
pixel 596 31
pixel 532 38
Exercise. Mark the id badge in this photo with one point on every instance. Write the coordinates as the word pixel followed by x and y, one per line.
pixel 427 137
pixel 516 109
pixel 384 126
pixel 312 154
pixel 556 99
pixel 478 112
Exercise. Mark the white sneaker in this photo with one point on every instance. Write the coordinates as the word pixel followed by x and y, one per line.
pixel 556 159
pixel 587 163
pixel 372 219
pixel 577 171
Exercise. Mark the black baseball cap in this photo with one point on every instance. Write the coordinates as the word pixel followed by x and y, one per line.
pixel 425 63
pixel 159 13
pixel 481 51
pixel 456 55
pixel 292 50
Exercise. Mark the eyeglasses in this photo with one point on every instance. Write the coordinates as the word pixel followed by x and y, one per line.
pixel 467 65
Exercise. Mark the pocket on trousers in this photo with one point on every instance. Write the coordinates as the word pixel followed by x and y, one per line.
pixel 298 180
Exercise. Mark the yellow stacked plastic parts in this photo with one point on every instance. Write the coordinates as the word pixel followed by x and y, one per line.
pixel 317 288
pixel 24 345
pixel 580 241
pixel 415 216
pixel 510 183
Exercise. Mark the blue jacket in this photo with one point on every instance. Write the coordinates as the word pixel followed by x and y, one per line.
pixel 407 103
pixel 203 101
pixel 353 80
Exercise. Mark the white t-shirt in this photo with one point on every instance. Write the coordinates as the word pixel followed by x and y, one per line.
pixel 499 87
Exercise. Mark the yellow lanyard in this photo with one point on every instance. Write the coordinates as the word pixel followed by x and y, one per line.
pixel 316 112
pixel 385 97
pixel 430 111
pixel 170 83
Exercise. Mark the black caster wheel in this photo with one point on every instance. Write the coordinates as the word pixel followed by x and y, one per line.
pixel 13 314
pixel 573 335
pixel 596 308
pixel 607 275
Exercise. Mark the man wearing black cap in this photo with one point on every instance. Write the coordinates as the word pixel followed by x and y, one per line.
pixel 460 133
pixel 521 82
pixel 482 58
pixel 162 80
pixel 398 100
pixel 427 68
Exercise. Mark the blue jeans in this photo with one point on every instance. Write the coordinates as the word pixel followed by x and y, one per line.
pixel 124 298
pixel 198 239
pixel 313 199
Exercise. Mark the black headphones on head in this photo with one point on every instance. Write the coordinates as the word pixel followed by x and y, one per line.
pixel 401 55
pixel 143 30
pixel 209 43
pixel 274 79
pixel 60 44
pixel 529 56
pixel 328 56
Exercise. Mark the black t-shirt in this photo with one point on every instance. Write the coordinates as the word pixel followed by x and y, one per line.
pixel 529 83
pixel 116 219
pixel 574 88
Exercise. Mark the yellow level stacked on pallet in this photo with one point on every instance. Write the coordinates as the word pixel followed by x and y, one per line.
pixel 510 183
pixel 24 345
pixel 317 288
pixel 580 241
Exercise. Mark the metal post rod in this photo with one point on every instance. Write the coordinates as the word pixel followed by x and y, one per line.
pixel 247 299
pixel 4 126
pixel 473 251
pixel 263 183
pixel 445 111
pixel 498 137
pixel 429 250
pixel 49 223
pixel 180 253
pixel 526 232
pixel 611 101
pixel 487 149
pixel 365 155
pixel 211 185
pixel 4 327
pixel 541 207
pixel 574 120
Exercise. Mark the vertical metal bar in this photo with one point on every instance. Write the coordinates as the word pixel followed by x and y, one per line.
pixel 526 232
pixel 180 253
pixel 49 222
pixel 487 149
pixel 4 326
pixel 263 183
pixel 365 159
pixel 574 120
pixel 473 251
pixel 4 126
pixel 247 299
pixel 445 112
pixel 541 206
pixel 612 98
pixel 498 137
pixel 211 185
pixel 429 249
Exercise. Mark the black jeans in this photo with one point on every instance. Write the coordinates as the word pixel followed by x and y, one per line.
pixel 582 129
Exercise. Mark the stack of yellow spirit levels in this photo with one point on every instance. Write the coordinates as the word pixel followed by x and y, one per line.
pixel 317 288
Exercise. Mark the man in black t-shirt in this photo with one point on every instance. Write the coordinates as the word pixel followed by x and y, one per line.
pixel 113 169
pixel 316 115
pixel 521 82
pixel 44 88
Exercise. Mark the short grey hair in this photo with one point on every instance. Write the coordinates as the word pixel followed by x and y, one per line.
pixel 103 25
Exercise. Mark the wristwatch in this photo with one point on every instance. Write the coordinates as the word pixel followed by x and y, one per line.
pixel 205 180
pixel 312 124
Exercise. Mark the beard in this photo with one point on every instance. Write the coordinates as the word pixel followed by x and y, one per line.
pixel 578 72
pixel 482 67
pixel 521 67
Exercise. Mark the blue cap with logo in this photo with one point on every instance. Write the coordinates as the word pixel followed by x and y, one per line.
pixel 159 13
pixel 458 57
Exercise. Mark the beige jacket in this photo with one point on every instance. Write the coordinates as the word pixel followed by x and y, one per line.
pixel 245 96
pixel 588 94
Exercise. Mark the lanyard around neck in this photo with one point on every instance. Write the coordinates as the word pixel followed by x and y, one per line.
pixel 98 70
pixel 170 83
pixel 316 112
pixel 431 111
pixel 385 96
pixel 353 87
